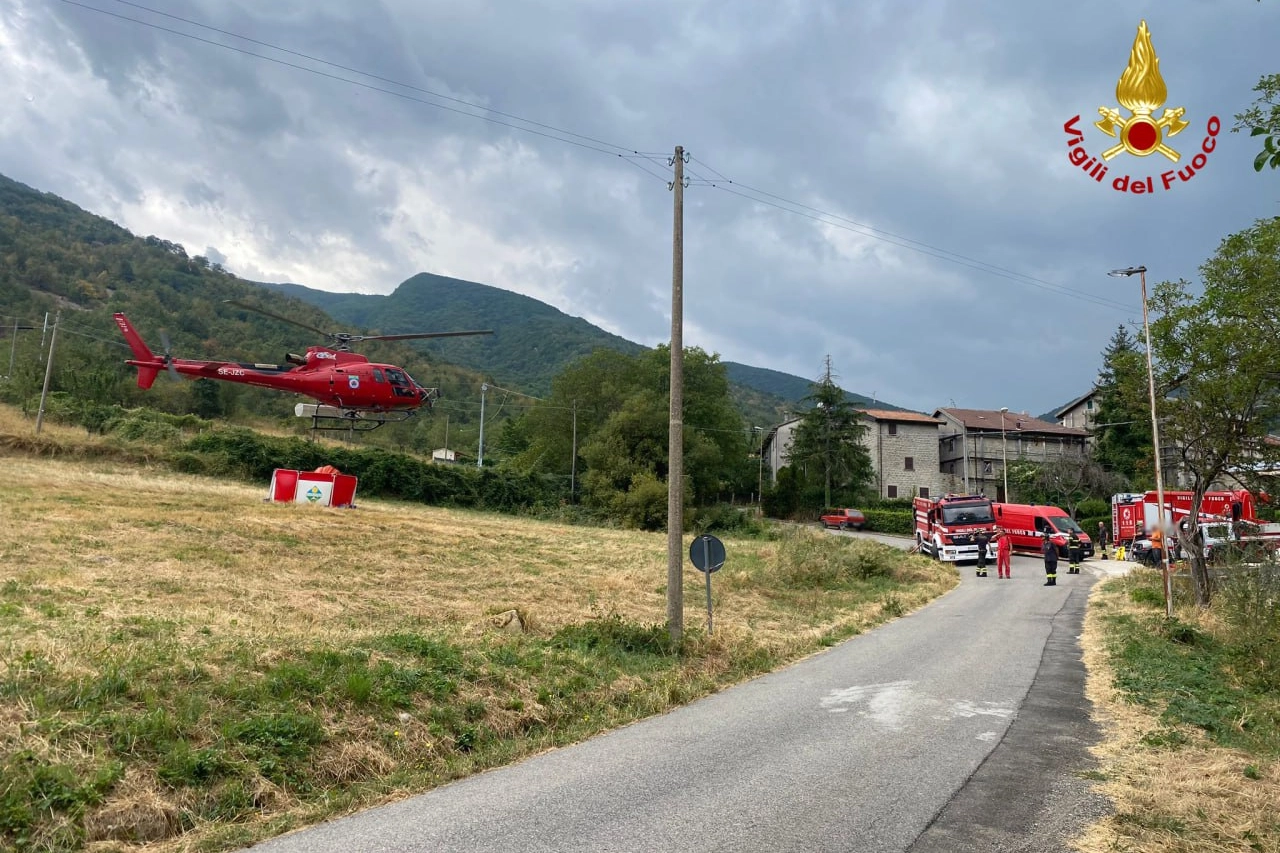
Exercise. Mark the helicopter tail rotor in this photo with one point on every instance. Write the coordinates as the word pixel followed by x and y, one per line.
pixel 168 355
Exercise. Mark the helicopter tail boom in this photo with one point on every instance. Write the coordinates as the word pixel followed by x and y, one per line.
pixel 145 358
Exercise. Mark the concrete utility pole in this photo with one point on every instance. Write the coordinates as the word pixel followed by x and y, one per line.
pixel 675 442
pixel 48 371
pixel 480 450
pixel 1155 441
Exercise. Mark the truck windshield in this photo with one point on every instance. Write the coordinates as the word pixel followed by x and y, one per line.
pixel 967 514
pixel 1065 524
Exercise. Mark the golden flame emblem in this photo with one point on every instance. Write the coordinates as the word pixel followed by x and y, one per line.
pixel 1141 91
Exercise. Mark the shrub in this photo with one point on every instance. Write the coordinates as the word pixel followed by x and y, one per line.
pixel 808 560
pixel 901 522
pixel 723 518
pixel 1093 508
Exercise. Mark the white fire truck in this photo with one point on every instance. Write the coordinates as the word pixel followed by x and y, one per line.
pixel 946 526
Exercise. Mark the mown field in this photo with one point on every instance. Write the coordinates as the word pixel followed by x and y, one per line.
pixel 185 666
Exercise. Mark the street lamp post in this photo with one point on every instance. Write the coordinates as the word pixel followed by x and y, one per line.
pixel 1004 452
pixel 1141 272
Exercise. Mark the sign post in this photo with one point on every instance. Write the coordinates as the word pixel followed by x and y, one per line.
pixel 707 554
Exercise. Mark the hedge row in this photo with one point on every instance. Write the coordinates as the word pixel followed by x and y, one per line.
pixel 901 522
pixel 249 455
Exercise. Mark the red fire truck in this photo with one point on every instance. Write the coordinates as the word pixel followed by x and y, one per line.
pixel 1133 515
pixel 945 526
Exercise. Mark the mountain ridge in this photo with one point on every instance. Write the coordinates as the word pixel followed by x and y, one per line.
pixel 431 302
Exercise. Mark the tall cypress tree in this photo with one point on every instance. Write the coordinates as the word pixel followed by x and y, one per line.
pixel 1122 427
pixel 828 442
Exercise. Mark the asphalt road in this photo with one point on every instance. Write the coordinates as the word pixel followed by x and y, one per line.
pixel 961 727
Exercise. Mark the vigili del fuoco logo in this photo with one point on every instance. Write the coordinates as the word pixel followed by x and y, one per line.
pixel 1141 91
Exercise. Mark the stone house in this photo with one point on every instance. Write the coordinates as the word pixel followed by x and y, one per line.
pixel 1079 413
pixel 974 444
pixel 904 453
pixel 903 447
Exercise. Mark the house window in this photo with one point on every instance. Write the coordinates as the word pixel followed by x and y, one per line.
pixel 890 491
pixel 986 468
pixel 909 464
pixel 1089 405
pixel 924 491
pixel 893 429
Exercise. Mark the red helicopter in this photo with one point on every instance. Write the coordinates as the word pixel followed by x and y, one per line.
pixel 350 389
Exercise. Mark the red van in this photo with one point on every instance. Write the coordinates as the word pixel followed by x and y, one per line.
pixel 1027 523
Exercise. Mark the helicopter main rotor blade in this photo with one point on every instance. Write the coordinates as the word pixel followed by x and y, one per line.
pixel 418 335
pixel 246 306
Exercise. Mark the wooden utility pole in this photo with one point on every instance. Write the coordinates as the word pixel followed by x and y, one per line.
pixel 675 445
pixel 573 459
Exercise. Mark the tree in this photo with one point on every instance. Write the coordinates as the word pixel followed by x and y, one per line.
pixel 620 405
pixel 1218 356
pixel 828 441
pixel 1122 431
pixel 1263 119
pixel 1066 481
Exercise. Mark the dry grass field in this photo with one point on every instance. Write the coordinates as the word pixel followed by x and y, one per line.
pixel 187 666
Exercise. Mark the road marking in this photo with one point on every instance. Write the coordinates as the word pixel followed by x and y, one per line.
pixel 886 704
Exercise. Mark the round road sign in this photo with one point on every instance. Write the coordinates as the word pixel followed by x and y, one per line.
pixel 707 553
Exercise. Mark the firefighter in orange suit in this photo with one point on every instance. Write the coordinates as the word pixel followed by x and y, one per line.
pixel 1004 554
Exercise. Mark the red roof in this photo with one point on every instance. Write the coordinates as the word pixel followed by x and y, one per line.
pixel 900 416
pixel 982 420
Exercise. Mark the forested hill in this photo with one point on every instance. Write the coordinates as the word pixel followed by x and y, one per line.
pixel 54 255
pixel 536 342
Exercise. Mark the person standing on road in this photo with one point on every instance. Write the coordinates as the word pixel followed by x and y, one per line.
pixel 982 539
pixel 1004 554
pixel 1102 539
pixel 1157 546
pixel 1075 552
pixel 1050 551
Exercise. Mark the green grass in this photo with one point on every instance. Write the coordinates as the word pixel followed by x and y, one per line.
pixel 1207 680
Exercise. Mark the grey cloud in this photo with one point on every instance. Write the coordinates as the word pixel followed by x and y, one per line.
pixel 819 102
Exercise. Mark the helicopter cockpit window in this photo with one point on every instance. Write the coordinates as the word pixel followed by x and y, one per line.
pixel 397 377
pixel 377 375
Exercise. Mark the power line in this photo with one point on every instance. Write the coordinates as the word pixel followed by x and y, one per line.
pixel 622 152
pixel 924 249
pixel 371 75
pixel 627 153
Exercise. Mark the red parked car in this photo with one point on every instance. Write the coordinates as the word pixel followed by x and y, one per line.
pixel 844 519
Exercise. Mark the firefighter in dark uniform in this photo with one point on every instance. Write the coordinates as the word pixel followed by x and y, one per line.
pixel 1050 552
pixel 982 539
pixel 1075 552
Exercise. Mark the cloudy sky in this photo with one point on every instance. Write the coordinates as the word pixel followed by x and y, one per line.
pixel 936 240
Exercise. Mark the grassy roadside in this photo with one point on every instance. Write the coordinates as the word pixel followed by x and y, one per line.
pixel 186 667
pixel 1191 713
